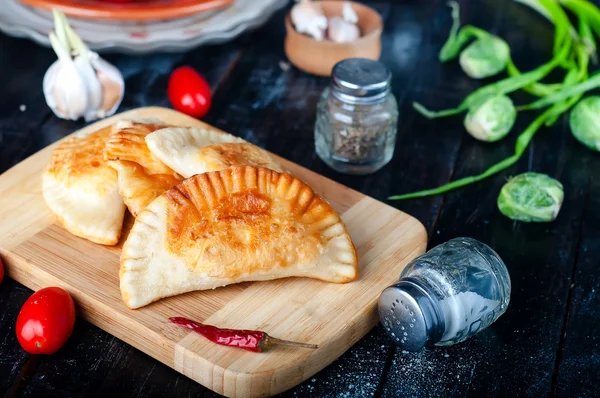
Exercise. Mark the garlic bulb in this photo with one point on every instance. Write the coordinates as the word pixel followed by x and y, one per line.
pixel 80 83
pixel 308 18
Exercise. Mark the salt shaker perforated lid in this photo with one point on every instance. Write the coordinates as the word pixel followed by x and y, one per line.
pixel 410 316
pixel 446 295
pixel 360 81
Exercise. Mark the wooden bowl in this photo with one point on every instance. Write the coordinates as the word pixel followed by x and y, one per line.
pixel 319 57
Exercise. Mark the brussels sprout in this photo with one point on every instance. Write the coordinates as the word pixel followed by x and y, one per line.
pixel 492 119
pixel 585 122
pixel 531 197
pixel 487 56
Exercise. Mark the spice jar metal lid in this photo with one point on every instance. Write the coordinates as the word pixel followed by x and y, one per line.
pixel 360 81
pixel 409 315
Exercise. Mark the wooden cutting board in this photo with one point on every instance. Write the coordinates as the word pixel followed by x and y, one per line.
pixel 39 253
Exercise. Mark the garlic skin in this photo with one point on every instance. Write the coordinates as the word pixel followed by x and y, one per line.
pixel 80 83
pixel 342 31
pixel 308 18
pixel 112 83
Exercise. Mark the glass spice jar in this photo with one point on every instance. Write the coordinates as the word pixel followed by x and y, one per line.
pixel 446 295
pixel 357 115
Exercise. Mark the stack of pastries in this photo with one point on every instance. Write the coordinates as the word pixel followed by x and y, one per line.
pixel 210 210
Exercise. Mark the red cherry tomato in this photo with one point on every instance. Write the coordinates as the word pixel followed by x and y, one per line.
pixel 46 321
pixel 189 92
pixel 1 271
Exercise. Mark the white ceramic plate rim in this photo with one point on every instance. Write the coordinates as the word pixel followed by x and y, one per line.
pixel 227 32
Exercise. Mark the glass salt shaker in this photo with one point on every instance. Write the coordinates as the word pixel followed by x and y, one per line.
pixel 355 130
pixel 446 295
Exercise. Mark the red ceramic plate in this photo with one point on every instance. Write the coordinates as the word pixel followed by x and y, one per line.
pixel 138 10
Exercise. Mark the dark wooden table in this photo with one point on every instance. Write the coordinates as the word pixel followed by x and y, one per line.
pixel 547 343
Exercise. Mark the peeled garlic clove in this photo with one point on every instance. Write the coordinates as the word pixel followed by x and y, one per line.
pixel 342 31
pixel 349 14
pixel 308 18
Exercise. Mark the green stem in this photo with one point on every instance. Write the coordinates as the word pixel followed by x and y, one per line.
pixel 522 142
pixel 61 35
pixel 578 74
pixel 585 9
pixel 553 12
pixel 561 22
pixel 585 31
pixel 559 110
pixel 569 90
pixel 61 52
pixel 435 114
pixel 74 42
pixel 562 40
pixel 537 89
pixel 453 46
pixel 535 4
pixel 452 43
pixel 586 85
pixel 503 86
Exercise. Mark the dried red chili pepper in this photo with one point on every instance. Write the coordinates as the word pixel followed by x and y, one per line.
pixel 251 340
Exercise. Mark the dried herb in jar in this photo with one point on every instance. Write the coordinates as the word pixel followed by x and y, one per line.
pixel 355 132
pixel 359 141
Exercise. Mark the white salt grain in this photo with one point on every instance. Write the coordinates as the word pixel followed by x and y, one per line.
pixel 285 66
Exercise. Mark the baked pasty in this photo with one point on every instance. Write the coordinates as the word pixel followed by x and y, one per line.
pixel 234 225
pixel 191 151
pixel 82 190
pixel 142 177
pixel 221 156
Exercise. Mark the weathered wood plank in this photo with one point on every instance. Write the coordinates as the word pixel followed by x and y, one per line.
pixel 517 354
pixel 22 105
pixel 577 374
pixel 18 126
pixel 95 364
pixel 12 356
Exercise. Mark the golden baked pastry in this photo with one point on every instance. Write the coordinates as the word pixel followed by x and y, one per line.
pixel 221 156
pixel 234 225
pixel 142 177
pixel 82 190
pixel 191 151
